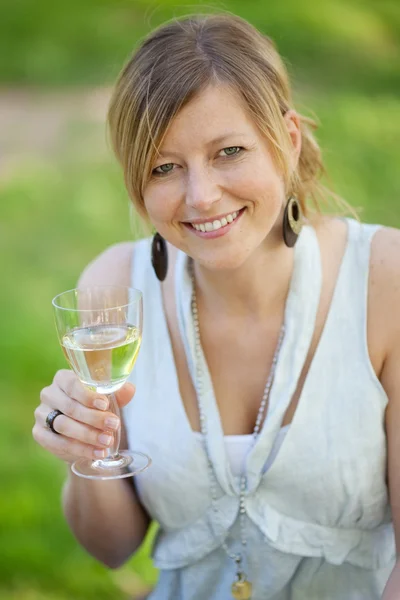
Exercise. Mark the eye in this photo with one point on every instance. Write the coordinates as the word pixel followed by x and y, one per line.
pixel 164 169
pixel 231 151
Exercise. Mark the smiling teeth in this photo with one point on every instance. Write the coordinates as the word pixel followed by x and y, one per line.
pixel 217 224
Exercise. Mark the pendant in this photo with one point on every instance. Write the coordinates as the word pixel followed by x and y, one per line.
pixel 242 589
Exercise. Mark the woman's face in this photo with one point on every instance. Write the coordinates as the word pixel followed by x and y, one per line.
pixel 215 192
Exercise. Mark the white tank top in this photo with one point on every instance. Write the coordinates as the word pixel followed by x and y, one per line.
pixel 318 522
pixel 238 446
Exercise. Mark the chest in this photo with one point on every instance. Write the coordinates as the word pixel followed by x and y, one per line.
pixel 239 353
pixel 240 360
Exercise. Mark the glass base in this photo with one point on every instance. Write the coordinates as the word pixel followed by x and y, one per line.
pixel 127 463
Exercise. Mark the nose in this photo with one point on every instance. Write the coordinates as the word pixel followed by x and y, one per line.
pixel 202 190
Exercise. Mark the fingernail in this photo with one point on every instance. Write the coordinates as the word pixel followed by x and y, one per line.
pixel 99 453
pixel 100 404
pixel 105 439
pixel 112 422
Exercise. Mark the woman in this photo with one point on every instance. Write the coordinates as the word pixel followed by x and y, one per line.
pixel 268 393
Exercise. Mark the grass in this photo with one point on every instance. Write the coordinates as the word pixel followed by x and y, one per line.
pixel 63 206
pixel 50 208
pixel 83 43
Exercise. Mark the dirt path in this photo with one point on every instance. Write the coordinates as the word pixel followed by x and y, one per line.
pixel 34 125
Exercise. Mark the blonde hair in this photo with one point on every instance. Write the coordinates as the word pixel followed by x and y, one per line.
pixel 180 59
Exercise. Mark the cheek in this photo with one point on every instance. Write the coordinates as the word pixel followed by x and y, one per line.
pixel 260 183
pixel 161 201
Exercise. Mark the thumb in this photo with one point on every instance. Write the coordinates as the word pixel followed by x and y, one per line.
pixel 125 394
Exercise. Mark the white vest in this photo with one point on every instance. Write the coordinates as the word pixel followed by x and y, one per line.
pixel 318 521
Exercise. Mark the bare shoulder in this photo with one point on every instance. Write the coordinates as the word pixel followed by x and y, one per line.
pixel 111 267
pixel 384 291
pixel 385 269
pixel 385 252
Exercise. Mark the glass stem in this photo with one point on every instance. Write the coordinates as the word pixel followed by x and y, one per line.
pixel 113 450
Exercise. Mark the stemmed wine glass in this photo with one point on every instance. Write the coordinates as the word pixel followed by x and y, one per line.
pixel 100 332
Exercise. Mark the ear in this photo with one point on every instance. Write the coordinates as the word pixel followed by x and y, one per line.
pixel 292 121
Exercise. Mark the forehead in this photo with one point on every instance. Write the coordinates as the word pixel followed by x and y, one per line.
pixel 216 111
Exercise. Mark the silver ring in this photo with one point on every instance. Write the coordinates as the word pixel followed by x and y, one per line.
pixel 51 418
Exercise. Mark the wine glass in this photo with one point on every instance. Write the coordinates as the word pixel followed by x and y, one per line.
pixel 100 332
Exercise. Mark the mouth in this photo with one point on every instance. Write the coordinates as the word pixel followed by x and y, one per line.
pixel 220 224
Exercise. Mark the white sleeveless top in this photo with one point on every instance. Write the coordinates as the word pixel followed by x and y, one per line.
pixel 318 522
pixel 238 446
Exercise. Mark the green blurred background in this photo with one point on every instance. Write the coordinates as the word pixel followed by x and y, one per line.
pixel 63 201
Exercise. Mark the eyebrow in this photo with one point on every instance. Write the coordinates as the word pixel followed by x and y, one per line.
pixel 213 142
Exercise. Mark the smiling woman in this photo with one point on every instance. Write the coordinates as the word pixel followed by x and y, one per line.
pixel 267 381
pixel 181 59
pixel 207 186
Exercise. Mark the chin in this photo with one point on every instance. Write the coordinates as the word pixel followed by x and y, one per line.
pixel 222 261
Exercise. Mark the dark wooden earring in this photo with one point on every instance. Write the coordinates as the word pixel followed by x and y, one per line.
pixel 159 257
pixel 292 222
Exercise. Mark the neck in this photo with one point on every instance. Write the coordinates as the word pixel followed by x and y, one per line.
pixel 259 287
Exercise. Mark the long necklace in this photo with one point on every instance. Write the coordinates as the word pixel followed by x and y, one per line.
pixel 241 588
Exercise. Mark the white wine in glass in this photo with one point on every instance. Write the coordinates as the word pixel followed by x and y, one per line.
pixel 100 331
pixel 102 355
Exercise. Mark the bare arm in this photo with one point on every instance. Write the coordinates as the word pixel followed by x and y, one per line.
pixel 385 276
pixel 106 517
pixel 391 381
pixel 392 589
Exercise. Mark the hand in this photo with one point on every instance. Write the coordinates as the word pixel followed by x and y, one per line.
pixel 85 427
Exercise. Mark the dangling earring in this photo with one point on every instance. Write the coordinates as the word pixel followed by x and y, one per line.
pixel 292 221
pixel 159 257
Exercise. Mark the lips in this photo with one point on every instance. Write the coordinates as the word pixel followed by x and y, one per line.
pixel 214 227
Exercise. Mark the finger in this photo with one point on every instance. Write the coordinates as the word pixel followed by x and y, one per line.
pixel 64 447
pixel 74 430
pixel 125 394
pixel 53 397
pixel 69 383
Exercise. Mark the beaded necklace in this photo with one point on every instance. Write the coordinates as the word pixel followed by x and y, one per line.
pixel 241 588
